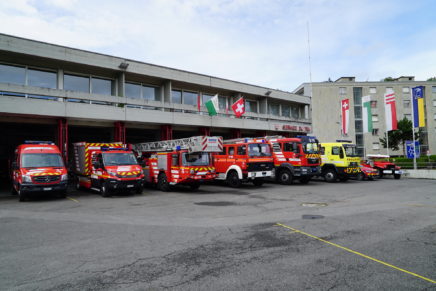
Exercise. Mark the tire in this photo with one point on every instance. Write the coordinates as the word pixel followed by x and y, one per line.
pixel 162 183
pixel 360 177
pixel 397 176
pixel 344 179
pixel 77 186
pixel 258 182
pixel 22 196
pixel 194 186
pixel 233 179
pixel 104 191
pixel 370 178
pixel 285 177
pixel 330 175
pixel 304 180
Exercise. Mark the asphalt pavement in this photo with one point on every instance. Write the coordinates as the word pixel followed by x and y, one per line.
pixel 342 236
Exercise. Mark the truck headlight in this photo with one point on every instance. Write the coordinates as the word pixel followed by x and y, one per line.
pixel 27 179
pixel 64 177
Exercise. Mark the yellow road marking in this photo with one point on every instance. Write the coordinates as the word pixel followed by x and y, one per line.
pixel 357 253
pixel 72 199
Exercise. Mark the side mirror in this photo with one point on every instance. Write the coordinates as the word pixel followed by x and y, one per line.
pixel 341 154
pixel 96 165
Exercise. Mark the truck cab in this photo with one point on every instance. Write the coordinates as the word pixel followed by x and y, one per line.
pixel 339 160
pixel 38 167
pixel 295 158
pixel 383 166
pixel 107 168
pixel 244 160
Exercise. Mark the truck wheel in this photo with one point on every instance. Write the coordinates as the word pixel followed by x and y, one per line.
pixel 285 177
pixel 104 191
pixel 194 186
pixel 397 176
pixel 162 183
pixel 330 175
pixel 258 182
pixel 78 187
pixel 233 180
pixel 360 177
pixel 343 179
pixel 304 180
pixel 22 196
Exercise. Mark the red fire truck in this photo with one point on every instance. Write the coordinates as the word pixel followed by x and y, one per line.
pixel 106 167
pixel 38 167
pixel 295 158
pixel 243 160
pixel 185 161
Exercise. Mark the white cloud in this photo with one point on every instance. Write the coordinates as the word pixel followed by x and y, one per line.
pixel 260 42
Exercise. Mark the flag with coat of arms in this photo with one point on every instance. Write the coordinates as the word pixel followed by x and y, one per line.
pixel 239 107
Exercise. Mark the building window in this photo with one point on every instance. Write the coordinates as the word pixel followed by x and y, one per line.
pixel 206 97
pixel 373 104
pixel 176 97
pixel 76 83
pixel 372 90
pixel 374 118
pixel 222 101
pixel 251 106
pixel 434 102
pixel 408 116
pixel 359 139
pixel 132 90
pixel 342 90
pixel 406 90
pixel 286 110
pixel 150 93
pixel 358 125
pixel 101 86
pixel 12 75
pixel 295 112
pixel 375 146
pixel 274 109
pixel 39 78
pixel 190 98
pixel 434 116
pixel 433 89
pixel 358 112
pixel 406 103
pixel 375 131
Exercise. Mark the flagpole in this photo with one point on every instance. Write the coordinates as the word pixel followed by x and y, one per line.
pixel 387 142
pixel 413 130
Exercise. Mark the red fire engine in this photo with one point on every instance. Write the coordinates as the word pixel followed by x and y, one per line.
pixel 106 167
pixel 244 159
pixel 185 161
pixel 38 167
pixel 295 158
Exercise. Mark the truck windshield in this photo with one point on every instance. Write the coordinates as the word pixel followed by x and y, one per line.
pixel 195 159
pixel 350 150
pixel 41 160
pixel 119 159
pixel 311 148
pixel 259 150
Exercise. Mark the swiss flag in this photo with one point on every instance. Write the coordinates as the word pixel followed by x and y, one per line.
pixel 239 107
pixel 345 110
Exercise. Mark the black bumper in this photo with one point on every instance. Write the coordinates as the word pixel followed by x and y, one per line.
pixel 307 171
pixel 124 185
pixel 62 186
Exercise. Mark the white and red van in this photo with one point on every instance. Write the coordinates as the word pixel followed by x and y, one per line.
pixel 38 167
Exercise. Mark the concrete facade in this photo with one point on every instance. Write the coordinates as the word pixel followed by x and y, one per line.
pixel 326 98
pixel 24 100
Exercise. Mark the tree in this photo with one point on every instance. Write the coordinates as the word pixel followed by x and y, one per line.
pixel 432 79
pixel 398 137
pixel 388 79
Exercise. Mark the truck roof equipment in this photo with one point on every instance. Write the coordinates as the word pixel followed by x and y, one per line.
pixel 192 144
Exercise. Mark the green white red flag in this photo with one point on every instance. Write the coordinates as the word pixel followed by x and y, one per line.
pixel 366 114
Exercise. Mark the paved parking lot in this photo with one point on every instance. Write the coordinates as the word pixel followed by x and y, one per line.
pixel 354 235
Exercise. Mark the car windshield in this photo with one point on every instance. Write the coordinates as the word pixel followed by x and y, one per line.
pixel 41 160
pixel 119 159
pixel 195 159
pixel 311 148
pixel 259 150
pixel 350 150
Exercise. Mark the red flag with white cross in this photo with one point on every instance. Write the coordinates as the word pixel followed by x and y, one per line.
pixel 345 105
pixel 239 107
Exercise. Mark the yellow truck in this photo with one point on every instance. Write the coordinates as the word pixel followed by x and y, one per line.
pixel 339 160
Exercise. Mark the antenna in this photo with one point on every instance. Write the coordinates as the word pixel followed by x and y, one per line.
pixel 308 50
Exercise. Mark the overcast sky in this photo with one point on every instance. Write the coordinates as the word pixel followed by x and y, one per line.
pixel 258 42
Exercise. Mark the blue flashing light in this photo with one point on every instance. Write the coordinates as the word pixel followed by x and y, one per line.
pixel 178 148
pixel 38 142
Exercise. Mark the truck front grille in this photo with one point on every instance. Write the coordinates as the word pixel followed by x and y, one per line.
pixel 313 161
pixel 46 179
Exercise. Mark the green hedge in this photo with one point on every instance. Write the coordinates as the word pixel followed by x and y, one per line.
pixel 426 162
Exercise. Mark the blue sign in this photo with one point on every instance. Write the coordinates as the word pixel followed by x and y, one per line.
pixel 412 151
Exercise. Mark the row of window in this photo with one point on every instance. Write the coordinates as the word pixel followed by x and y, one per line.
pixel 373 90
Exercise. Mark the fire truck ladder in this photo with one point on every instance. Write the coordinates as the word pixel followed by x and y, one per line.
pixel 192 144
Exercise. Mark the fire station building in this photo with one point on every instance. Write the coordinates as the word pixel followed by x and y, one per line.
pixel 52 92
